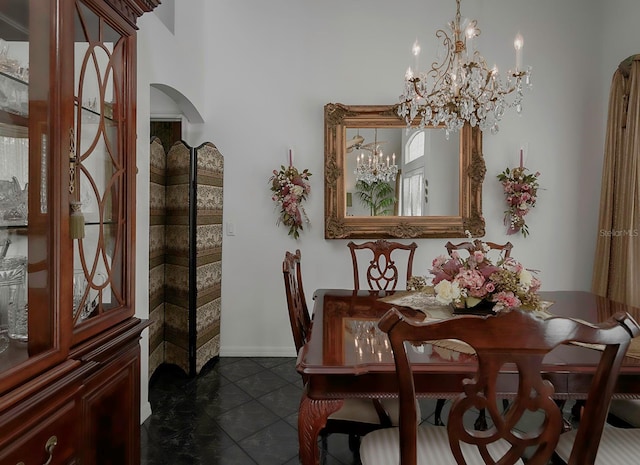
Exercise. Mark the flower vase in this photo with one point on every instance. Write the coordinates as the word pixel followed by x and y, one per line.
pixel 473 306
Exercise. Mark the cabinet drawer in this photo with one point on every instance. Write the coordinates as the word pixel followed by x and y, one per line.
pixel 52 423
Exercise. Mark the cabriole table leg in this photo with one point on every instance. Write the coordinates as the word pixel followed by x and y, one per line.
pixel 312 417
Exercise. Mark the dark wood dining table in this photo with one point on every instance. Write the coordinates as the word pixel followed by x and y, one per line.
pixel 347 356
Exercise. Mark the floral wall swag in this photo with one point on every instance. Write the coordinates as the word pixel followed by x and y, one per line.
pixel 290 188
pixel 520 190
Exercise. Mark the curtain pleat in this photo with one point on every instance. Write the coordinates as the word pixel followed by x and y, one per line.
pixel 617 261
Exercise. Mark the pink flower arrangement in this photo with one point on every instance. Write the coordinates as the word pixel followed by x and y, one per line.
pixel 465 282
pixel 290 188
pixel 520 190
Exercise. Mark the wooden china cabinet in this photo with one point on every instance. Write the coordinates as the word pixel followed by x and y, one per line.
pixel 69 341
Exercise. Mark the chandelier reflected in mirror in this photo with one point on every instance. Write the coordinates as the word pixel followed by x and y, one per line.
pixel 375 167
pixel 462 88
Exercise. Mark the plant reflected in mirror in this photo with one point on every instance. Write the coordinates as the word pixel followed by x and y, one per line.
pixel 378 197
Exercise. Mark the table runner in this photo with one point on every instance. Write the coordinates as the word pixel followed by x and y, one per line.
pixel 433 310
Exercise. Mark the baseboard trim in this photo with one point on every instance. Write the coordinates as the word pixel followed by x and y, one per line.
pixel 257 352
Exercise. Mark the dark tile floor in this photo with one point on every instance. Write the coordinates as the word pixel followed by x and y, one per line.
pixel 237 411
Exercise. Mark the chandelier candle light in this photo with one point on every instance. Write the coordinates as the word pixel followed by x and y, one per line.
pixel 462 88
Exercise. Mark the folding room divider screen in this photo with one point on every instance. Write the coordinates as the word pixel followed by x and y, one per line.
pixel 193 206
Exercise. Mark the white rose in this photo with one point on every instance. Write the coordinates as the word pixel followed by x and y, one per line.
pixel 526 278
pixel 297 190
pixel 447 292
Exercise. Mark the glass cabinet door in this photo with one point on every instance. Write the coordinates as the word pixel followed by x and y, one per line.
pixel 27 215
pixel 100 181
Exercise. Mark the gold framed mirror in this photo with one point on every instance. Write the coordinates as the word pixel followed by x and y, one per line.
pixel 444 201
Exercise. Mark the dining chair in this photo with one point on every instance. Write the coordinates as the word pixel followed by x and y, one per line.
pixel 356 417
pixel 505 252
pixel 505 249
pixel 530 339
pixel 382 272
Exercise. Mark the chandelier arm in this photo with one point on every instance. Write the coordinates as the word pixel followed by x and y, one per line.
pixel 420 94
pixel 437 68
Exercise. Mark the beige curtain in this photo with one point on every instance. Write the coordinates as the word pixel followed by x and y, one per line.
pixel 617 261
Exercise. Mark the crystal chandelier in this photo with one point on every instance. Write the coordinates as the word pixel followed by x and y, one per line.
pixel 462 88
pixel 374 167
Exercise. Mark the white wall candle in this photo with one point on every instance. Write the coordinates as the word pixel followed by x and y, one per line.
pixel 521 160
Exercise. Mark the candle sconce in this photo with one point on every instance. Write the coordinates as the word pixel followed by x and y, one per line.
pixel 521 192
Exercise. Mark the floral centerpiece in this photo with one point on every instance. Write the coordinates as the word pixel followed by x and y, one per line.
pixel 466 282
pixel 520 190
pixel 290 188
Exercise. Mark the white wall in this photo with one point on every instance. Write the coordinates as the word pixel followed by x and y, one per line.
pixel 261 72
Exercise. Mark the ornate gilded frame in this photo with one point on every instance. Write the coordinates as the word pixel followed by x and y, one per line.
pixel 339 117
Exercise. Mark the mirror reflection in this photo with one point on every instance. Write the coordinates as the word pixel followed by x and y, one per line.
pixel 382 181
pixel 395 172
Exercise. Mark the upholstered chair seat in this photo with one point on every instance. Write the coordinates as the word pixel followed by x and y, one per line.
pixel 362 411
pixel 618 446
pixel 628 410
pixel 382 447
